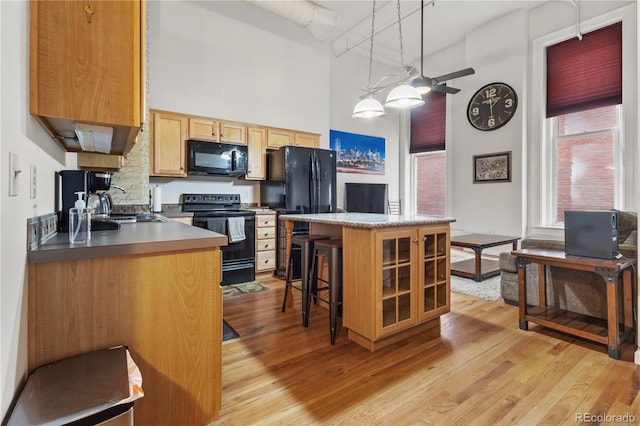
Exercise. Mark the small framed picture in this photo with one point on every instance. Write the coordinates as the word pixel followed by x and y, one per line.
pixel 495 167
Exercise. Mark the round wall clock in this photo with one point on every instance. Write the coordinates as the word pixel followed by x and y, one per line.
pixel 492 106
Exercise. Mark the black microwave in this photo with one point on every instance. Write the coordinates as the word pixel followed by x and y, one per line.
pixel 212 158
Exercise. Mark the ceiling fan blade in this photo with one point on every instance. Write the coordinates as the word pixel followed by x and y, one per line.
pixel 455 74
pixel 444 89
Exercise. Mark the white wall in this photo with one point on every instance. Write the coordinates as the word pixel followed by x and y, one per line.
pixel 21 135
pixel 349 74
pixel 204 61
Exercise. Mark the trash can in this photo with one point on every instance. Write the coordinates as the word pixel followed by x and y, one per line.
pixel 94 388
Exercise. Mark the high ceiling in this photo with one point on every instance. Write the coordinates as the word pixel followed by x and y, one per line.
pixel 446 22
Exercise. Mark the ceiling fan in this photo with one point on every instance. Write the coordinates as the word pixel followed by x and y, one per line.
pixel 424 84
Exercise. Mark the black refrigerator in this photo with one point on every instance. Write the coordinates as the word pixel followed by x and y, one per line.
pixel 300 180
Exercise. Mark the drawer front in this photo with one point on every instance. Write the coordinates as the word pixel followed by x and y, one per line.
pixel 267 220
pixel 265 233
pixel 266 260
pixel 268 244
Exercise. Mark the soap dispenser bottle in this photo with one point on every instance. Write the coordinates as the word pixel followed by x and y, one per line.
pixel 79 221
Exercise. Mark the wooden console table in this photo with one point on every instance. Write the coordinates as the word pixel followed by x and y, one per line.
pixel 616 273
pixel 473 268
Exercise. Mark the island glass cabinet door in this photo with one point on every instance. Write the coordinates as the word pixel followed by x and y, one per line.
pixel 396 281
pixel 433 282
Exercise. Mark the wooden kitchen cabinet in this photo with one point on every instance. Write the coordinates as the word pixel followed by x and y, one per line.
pixel 204 129
pixel 256 153
pixel 405 289
pixel 165 307
pixel 277 138
pixel 310 140
pixel 167 149
pixel 265 242
pixel 87 66
pixel 210 129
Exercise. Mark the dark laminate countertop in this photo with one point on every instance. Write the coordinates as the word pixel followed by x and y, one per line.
pixel 367 220
pixel 132 238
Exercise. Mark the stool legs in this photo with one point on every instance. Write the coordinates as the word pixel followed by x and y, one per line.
pixel 334 286
pixel 288 278
pixel 307 250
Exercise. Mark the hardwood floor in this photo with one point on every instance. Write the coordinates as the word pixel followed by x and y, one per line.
pixel 483 370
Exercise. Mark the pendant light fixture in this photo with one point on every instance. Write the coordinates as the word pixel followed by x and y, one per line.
pixel 404 96
pixel 420 83
pixel 369 107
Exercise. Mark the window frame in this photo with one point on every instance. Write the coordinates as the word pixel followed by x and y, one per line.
pixel 537 154
pixel 414 178
pixel 551 179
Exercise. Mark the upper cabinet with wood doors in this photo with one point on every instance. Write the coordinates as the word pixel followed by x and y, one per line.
pixel 167 149
pixel 87 68
pixel 277 138
pixel 310 140
pixel 257 153
pixel 209 129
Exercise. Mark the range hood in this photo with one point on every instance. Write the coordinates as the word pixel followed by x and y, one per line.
pixel 96 137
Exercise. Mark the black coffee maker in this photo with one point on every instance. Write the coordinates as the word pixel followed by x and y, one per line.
pixel 68 182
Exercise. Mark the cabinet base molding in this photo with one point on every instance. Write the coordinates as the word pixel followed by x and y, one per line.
pixel 431 328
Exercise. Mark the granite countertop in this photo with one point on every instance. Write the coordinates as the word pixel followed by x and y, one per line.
pixel 130 239
pixel 367 220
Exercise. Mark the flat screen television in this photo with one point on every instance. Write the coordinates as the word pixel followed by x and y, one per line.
pixel 366 198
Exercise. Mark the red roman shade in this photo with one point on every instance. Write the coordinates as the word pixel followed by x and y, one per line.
pixel 428 124
pixel 585 74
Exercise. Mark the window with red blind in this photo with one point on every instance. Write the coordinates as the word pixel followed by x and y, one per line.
pixel 428 124
pixel 585 74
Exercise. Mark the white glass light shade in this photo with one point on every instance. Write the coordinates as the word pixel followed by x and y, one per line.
pixel 421 85
pixel 404 97
pixel 368 108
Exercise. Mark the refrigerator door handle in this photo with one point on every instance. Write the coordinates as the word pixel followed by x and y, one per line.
pixel 318 186
pixel 312 185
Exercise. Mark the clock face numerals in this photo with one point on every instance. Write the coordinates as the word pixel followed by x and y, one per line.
pixel 492 106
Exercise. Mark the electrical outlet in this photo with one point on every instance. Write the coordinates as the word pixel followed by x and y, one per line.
pixel 33 181
pixel 14 170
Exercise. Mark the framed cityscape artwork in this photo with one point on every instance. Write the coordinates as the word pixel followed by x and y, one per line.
pixel 494 167
pixel 358 153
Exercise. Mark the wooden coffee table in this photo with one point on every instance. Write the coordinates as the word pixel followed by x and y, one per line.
pixel 478 268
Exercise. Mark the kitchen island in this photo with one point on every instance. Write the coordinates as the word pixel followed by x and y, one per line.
pixel 153 287
pixel 395 272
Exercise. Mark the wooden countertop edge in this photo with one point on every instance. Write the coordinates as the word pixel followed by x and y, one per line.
pixel 147 238
pixel 123 250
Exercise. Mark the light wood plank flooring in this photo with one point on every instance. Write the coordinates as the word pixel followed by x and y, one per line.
pixel 483 370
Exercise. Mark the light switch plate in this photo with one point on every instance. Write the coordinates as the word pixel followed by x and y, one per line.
pixel 33 181
pixel 14 170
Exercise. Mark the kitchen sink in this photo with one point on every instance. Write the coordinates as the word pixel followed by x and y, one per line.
pixel 139 217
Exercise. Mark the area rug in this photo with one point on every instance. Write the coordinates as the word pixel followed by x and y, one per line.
pixel 487 289
pixel 228 332
pixel 233 290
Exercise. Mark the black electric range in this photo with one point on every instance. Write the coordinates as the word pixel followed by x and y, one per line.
pixel 222 213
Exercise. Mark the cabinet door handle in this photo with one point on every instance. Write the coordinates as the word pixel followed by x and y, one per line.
pixel 415 241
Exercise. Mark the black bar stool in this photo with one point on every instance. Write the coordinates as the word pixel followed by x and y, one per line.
pixel 304 244
pixel 332 249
